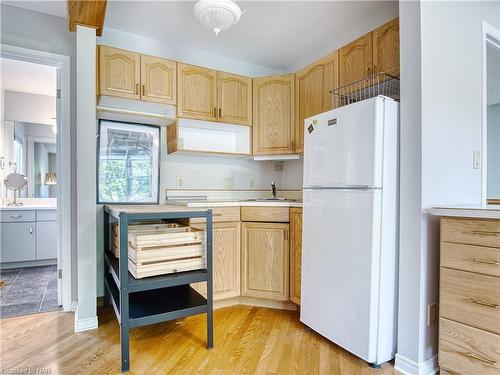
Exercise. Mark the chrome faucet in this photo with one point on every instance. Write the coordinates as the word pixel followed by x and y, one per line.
pixel 273 187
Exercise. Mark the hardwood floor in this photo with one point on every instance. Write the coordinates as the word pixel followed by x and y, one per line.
pixel 248 340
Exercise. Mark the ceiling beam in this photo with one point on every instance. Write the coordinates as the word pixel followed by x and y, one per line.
pixel 86 13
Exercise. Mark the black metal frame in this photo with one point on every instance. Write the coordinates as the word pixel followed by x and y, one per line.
pixel 171 297
pixel 98 160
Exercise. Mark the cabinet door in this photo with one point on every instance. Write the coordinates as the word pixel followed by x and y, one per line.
pixel 158 80
pixel 273 115
pixel 119 72
pixel 295 253
pixel 386 48
pixel 234 98
pixel 46 240
pixel 355 60
pixel 226 261
pixel 265 264
pixel 17 242
pixel 197 92
pixel 312 92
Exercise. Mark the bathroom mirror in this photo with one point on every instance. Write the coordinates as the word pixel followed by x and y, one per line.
pixel 492 47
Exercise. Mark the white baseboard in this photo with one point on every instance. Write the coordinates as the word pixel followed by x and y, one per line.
pixel 409 367
pixel 85 324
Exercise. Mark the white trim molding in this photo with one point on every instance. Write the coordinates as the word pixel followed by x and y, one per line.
pixel 62 63
pixel 408 367
pixel 85 324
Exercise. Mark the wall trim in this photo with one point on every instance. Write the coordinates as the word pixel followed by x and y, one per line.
pixel 86 324
pixel 63 170
pixel 409 367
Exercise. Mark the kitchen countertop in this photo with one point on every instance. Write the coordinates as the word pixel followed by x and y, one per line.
pixel 233 203
pixel 472 211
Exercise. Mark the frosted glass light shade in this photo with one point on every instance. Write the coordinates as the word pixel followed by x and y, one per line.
pixel 50 178
pixel 217 15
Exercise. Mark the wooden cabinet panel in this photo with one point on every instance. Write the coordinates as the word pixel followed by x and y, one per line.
pixel 265 263
pixel 234 98
pixel 197 92
pixel 480 259
pixel 295 254
pixel 119 72
pixel 158 80
pixel 219 215
pixel 386 48
pixel 312 92
pixel 355 60
pixel 265 214
pixel 471 231
pixel 468 351
pixel 273 115
pixel 17 242
pixel 226 239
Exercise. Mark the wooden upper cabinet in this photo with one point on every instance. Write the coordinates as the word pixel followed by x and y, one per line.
pixel 355 60
pixel 265 263
pixel 386 48
pixel 119 73
pixel 295 254
pixel 197 92
pixel 234 94
pixel 312 92
pixel 273 115
pixel 158 80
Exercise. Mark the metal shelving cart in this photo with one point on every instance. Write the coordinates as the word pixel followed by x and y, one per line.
pixel 139 302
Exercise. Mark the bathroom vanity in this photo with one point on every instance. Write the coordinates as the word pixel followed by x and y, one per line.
pixel 28 236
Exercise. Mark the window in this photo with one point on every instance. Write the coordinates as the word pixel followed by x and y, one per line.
pixel 128 163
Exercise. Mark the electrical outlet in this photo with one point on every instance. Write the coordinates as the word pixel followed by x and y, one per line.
pixel 431 314
pixel 476 159
pixel 228 183
pixel 278 166
pixel 178 181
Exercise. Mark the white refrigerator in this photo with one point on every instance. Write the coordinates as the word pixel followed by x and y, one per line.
pixel 350 227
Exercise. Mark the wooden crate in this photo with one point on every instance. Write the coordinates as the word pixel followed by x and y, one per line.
pixel 115 231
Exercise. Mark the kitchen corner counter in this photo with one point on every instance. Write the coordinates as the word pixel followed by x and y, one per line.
pixel 233 203
pixel 473 211
pixel 27 208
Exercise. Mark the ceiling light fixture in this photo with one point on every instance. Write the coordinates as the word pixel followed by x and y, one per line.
pixel 217 15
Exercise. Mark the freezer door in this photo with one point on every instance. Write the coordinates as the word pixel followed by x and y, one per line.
pixel 340 258
pixel 345 146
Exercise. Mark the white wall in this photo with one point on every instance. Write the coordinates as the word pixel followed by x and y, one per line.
pixel 156 47
pixel 26 107
pixel 441 109
pixel 493 174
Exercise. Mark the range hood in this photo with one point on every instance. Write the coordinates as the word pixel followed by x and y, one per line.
pixel 128 110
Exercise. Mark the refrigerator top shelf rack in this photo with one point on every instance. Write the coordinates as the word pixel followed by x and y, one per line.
pixel 366 88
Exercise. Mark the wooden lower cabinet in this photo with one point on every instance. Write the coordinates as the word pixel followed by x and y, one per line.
pixel 295 253
pixel 226 260
pixel 265 260
pixel 469 301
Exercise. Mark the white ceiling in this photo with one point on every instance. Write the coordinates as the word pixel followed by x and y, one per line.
pixel 28 77
pixel 276 34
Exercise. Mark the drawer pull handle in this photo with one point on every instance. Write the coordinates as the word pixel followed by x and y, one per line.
pixel 474 356
pixel 484 261
pixel 482 303
pixel 16 216
pixel 485 233
pixel 216 214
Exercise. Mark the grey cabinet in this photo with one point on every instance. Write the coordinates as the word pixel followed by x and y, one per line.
pixel 46 240
pixel 17 242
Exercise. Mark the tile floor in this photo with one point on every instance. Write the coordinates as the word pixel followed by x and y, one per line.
pixel 28 290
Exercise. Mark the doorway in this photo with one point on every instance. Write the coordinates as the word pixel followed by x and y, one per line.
pixel 35 242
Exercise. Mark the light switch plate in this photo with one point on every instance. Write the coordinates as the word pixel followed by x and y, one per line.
pixel 178 181
pixel 476 159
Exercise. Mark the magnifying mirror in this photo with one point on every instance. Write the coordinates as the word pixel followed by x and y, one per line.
pixel 15 182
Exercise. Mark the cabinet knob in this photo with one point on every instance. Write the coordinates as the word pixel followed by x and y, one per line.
pixel 136 89
pixel 220 112
pixel 215 112
pixel 143 90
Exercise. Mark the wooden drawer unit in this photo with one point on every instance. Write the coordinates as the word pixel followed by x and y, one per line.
pixel 220 215
pixel 480 259
pixel 471 298
pixel 467 350
pixel 13 216
pixel 266 214
pixel 469 331
pixel 471 231
pixel 46 215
